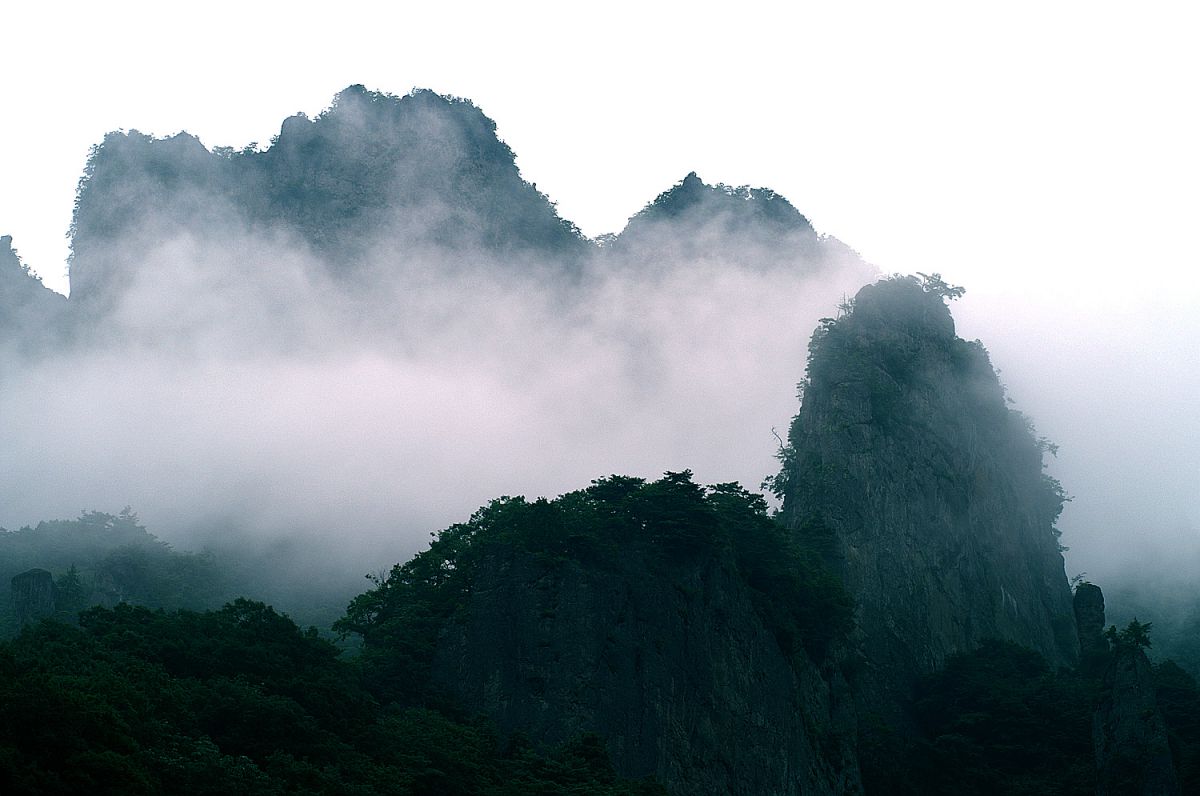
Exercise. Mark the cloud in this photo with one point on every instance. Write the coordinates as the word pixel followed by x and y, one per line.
pixel 239 389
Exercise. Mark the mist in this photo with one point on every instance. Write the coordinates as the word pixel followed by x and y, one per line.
pixel 258 377
pixel 1110 371
pixel 237 391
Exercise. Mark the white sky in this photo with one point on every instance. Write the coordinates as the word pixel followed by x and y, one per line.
pixel 1045 155
pixel 1025 141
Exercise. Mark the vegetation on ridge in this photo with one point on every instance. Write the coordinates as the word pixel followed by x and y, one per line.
pixel 670 524
pixel 134 700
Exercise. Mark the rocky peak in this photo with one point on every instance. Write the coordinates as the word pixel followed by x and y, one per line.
pixel 926 491
pixel 1133 755
pixel 373 172
pixel 1089 622
pixel 755 228
pixel 737 209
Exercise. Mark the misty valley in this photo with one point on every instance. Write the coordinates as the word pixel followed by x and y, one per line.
pixel 598 558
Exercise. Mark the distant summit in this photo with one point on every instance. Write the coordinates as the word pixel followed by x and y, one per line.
pixel 374 170
pixel 372 156
pixel 742 206
pixel 354 220
pixel 749 226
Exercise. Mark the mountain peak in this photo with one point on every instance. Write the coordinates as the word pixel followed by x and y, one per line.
pixel 902 304
pixel 693 199
pixel 927 490
pixel 373 172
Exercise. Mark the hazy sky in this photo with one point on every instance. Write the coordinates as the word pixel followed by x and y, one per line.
pixel 1045 141
pixel 1043 155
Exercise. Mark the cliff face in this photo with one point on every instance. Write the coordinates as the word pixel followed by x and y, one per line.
pixel 1089 621
pixel 1133 755
pixel 680 675
pixel 926 491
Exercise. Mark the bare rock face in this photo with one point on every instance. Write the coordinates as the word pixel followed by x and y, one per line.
pixel 682 678
pixel 1129 734
pixel 1089 620
pixel 925 490
pixel 33 595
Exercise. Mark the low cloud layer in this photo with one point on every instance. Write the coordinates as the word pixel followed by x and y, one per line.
pixel 236 393
pixel 1112 377
pixel 245 373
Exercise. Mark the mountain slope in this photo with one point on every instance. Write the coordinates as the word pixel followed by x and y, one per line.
pixel 31 315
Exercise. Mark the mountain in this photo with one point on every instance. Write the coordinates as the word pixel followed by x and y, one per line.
pixel 752 229
pixel 374 176
pixel 926 490
pixel 373 198
pixel 31 314
pixel 903 624
pixel 671 619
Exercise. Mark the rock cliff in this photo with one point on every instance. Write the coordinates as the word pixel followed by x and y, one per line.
pixel 925 490
pixel 670 619
pixel 682 677
pixel 1089 620
pixel 1133 755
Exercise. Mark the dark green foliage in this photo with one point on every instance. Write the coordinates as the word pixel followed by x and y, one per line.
pixel 70 595
pixel 1174 603
pixel 1135 634
pixel 802 602
pixel 739 210
pixel 103 559
pixel 993 721
pixel 241 700
pixel 933 283
pixel 671 524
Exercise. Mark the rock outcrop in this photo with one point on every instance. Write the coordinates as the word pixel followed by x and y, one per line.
pixel 1133 755
pixel 681 677
pixel 1089 622
pixel 33 596
pixel 925 491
